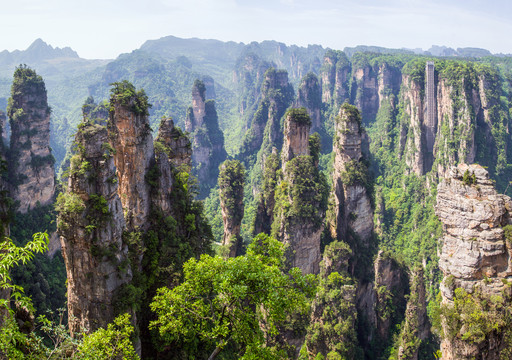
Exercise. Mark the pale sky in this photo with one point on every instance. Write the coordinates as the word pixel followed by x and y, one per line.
pixel 103 29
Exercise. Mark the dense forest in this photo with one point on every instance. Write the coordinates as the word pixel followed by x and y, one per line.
pixel 204 199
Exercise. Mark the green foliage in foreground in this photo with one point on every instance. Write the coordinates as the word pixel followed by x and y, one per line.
pixel 12 256
pixel 111 343
pixel 238 302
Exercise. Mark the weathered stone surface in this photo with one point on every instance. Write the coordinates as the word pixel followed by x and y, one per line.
pixel 296 134
pixel 130 135
pixel 265 130
pixel 207 138
pixel 333 319
pixel 91 225
pixel 231 190
pixel 301 175
pixel 352 206
pixel 474 252
pixel 416 326
pixel 310 97
pixel 31 170
pixel 335 77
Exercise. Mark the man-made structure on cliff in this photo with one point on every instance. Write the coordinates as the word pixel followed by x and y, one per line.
pixel 431 109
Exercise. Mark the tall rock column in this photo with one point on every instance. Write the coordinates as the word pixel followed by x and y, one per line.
pixel 30 162
pixel 353 212
pixel 296 134
pixel 91 224
pixel 300 199
pixel 310 97
pixel 130 135
pixel 231 191
pixel 475 259
pixel 265 131
pixel 207 138
pixel 173 150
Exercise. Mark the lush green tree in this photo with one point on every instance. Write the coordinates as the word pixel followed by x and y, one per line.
pixel 238 302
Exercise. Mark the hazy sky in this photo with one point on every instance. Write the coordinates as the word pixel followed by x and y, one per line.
pixel 106 28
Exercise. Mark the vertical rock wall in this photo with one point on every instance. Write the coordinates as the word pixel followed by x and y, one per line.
pixel 130 135
pixel 475 256
pixel 31 170
pixel 91 225
pixel 231 191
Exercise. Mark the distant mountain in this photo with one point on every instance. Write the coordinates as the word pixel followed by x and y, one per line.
pixel 37 51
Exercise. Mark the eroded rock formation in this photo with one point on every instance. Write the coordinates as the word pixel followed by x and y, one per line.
pixel 91 225
pixel 30 162
pixel 310 97
pixel 296 134
pixel 207 138
pixel 353 212
pixel 475 256
pixel 265 131
pixel 333 323
pixel 231 191
pixel 300 199
pixel 130 135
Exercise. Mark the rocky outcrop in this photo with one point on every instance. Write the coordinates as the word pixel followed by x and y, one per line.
pixel 296 134
pixel 333 322
pixel 175 144
pixel 91 225
pixel 300 200
pixel 172 151
pixel 475 256
pixel 207 139
pixel 353 212
pixel 30 162
pixel 335 77
pixel 265 212
pixel 310 97
pixel 231 191
pixel 416 327
pixel 130 136
pixel 414 108
pixel 265 131
pixel 248 76
pixel 460 128
pixel 381 303
pixel 373 83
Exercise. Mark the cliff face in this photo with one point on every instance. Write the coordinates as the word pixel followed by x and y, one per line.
pixel 30 161
pixel 333 322
pixel 248 76
pixel 300 199
pixel 310 97
pixel 91 225
pixel 265 211
pixel 208 139
pixel 231 191
pixel 416 327
pixel 265 131
pixel 373 84
pixel 475 256
pixel 353 212
pixel 335 77
pixel 296 134
pixel 130 135
pixel 465 126
pixel 172 151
